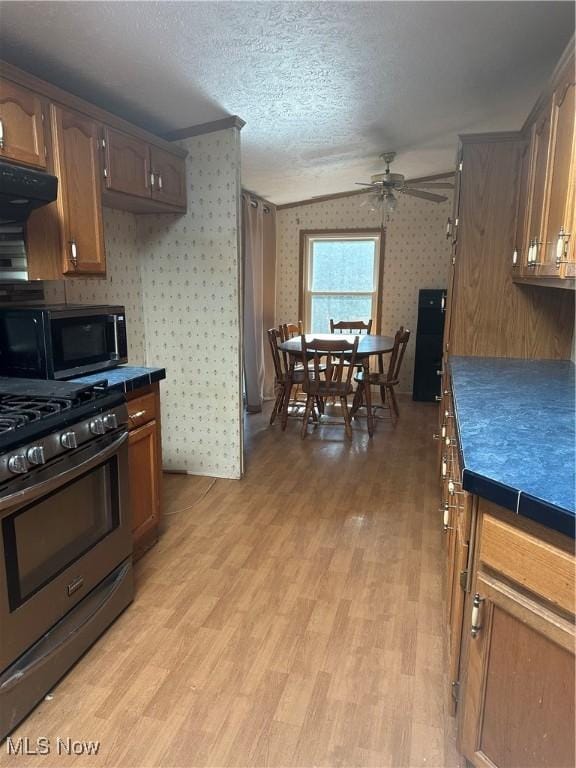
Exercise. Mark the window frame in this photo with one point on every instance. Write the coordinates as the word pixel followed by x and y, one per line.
pixel 307 236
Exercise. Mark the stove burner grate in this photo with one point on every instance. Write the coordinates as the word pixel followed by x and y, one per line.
pixel 18 411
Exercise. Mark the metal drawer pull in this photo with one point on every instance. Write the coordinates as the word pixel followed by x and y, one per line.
pixel 1 134
pixel 444 466
pixel 438 398
pixel 443 431
pixel 73 253
pixel 152 179
pixel 159 181
pixel 476 605
pixel 446 517
pixel 137 415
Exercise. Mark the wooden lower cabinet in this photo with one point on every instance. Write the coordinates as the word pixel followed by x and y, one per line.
pixel 518 646
pixel 144 460
pixel 518 708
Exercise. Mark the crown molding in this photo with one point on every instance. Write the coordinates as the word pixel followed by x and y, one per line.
pixel 232 121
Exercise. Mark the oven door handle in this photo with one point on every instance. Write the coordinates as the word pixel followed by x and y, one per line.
pixel 28 494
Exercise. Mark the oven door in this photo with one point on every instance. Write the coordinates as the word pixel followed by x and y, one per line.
pixel 62 531
pixel 82 343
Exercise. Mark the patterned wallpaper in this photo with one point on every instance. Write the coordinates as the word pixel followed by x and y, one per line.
pixel 123 284
pixel 190 272
pixel 417 256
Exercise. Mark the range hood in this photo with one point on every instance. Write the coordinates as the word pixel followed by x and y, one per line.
pixel 22 190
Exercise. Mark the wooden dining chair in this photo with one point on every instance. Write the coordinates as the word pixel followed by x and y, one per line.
pixel 289 330
pixel 280 360
pixel 334 382
pixel 350 327
pixel 386 381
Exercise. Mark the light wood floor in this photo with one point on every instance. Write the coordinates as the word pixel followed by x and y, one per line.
pixel 290 619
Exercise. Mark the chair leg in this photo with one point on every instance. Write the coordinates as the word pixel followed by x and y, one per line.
pixel 320 404
pixel 277 405
pixel 347 418
pixel 392 397
pixel 358 397
pixel 383 394
pixel 309 402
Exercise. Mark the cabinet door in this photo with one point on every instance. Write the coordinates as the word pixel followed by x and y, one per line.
pixel 21 125
pixel 463 522
pixel 169 174
pixel 77 164
pixel 538 190
pixel 520 252
pixel 519 697
pixel 561 176
pixel 143 461
pixel 126 164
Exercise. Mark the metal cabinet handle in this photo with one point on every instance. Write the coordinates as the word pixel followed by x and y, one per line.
pixel 1 134
pixel 152 180
pixel 438 398
pixel 448 228
pixel 476 605
pixel 136 415
pixel 443 303
pixel 515 257
pixel 444 466
pixel 74 253
pixel 446 517
pixel 562 247
pixel 160 181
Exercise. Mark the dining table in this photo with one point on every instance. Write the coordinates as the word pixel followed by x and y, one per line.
pixel 369 344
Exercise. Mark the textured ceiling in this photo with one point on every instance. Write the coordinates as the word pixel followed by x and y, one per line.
pixel 323 86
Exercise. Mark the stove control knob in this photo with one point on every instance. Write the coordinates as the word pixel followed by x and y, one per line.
pixel 17 464
pixel 97 426
pixel 110 421
pixel 68 440
pixel 35 455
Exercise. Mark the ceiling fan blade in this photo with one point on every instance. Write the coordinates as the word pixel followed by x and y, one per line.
pixel 428 185
pixel 434 177
pixel 424 195
pixel 366 184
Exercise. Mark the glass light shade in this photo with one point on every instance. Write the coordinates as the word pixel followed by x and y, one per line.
pixel 391 203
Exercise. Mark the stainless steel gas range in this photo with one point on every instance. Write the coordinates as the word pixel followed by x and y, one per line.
pixel 65 540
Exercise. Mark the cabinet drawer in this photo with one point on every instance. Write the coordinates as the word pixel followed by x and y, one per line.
pixel 536 564
pixel 141 410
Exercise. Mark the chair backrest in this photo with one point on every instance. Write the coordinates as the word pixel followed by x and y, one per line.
pixel 397 355
pixel 350 327
pixel 340 359
pixel 289 330
pixel 274 336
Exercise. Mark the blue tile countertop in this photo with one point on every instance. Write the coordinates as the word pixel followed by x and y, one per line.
pixel 516 427
pixel 125 378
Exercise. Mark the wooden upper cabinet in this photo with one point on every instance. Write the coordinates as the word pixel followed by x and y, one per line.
pixel 21 125
pixel 561 176
pixel 126 164
pixel 169 174
pixel 540 150
pixel 519 254
pixel 77 164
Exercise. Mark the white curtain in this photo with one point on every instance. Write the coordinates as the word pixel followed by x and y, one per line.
pixel 253 255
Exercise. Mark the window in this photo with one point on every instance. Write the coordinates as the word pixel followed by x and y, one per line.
pixel 341 277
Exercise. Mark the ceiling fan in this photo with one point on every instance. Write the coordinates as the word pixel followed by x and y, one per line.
pixel 383 186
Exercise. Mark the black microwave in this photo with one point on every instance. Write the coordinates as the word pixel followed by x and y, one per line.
pixel 61 341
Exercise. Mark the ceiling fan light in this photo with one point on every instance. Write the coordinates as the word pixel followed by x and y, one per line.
pixel 391 203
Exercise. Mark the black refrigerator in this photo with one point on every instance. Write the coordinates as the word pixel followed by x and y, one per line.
pixel 429 335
